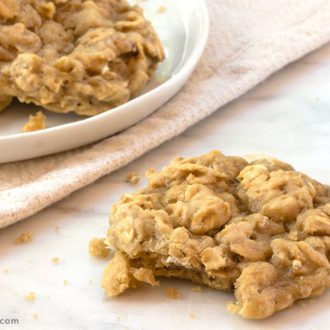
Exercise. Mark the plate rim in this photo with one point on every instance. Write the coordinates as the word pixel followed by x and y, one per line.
pixel 187 66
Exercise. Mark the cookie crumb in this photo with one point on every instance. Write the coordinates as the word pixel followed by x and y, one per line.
pixel 31 296
pixel 197 289
pixel 35 315
pixel 65 282
pixel 150 171
pixel 161 10
pixel 90 282
pixel 23 238
pixel 5 270
pixel 35 123
pixel 192 316
pixel 55 260
pixel 133 178
pixel 232 307
pixel 97 248
pixel 173 293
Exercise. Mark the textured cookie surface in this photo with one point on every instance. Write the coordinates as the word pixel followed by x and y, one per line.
pixel 77 55
pixel 259 229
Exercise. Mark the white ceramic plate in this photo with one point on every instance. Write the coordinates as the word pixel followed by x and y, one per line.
pixel 183 28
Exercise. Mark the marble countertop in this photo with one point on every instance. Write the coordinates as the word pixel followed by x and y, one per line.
pixel 287 116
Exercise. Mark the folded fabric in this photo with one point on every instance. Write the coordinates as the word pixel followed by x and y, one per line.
pixel 249 40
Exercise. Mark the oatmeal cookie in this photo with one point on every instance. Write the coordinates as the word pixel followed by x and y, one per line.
pixel 258 229
pixel 81 56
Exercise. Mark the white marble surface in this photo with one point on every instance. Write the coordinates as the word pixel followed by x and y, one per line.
pixel 287 116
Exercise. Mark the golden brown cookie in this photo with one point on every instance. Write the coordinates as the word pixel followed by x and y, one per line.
pixel 259 229
pixel 80 56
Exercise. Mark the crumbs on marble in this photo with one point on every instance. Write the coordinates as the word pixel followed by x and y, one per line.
pixel 65 282
pixel 5 270
pixel 23 238
pixel 197 288
pixel 192 316
pixel 97 248
pixel 133 178
pixel 90 282
pixel 173 293
pixel 55 260
pixel 35 316
pixel 161 10
pixel 31 296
